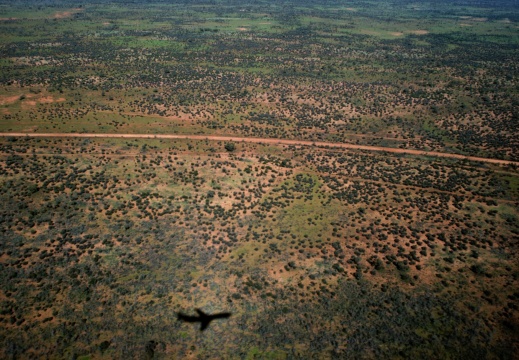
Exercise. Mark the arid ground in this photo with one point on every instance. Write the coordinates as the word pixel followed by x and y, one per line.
pixel 341 178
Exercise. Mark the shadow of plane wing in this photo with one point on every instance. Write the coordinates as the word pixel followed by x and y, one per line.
pixel 203 318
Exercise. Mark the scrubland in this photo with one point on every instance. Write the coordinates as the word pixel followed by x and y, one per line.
pixel 317 251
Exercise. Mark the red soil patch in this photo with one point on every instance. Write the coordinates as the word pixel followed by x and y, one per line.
pixel 4 100
pixel 66 14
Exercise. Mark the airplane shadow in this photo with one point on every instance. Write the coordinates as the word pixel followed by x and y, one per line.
pixel 203 318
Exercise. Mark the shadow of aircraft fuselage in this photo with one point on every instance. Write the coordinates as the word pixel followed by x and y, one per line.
pixel 203 318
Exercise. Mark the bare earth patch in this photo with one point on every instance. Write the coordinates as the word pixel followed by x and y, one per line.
pixel 61 15
pixel 32 100
pixel 66 14
pixel 4 100
pixel 397 33
pixel 482 19
pixel 50 99
pixel 243 29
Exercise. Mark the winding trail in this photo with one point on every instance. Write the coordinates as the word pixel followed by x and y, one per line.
pixel 267 141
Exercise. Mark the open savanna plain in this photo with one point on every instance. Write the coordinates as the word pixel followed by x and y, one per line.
pixel 315 251
pixel 431 76
pixel 322 247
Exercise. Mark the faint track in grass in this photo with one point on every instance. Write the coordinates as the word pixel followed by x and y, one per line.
pixel 267 141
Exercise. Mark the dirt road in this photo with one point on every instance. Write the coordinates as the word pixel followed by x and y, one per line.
pixel 267 141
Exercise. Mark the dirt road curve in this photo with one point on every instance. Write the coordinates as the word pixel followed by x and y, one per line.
pixel 266 141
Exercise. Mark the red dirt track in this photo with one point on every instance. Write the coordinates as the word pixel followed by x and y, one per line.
pixel 268 141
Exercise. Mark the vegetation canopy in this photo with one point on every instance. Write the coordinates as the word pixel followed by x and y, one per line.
pixel 376 247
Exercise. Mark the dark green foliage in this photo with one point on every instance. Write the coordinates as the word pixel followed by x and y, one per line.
pixel 230 146
pixel 385 324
